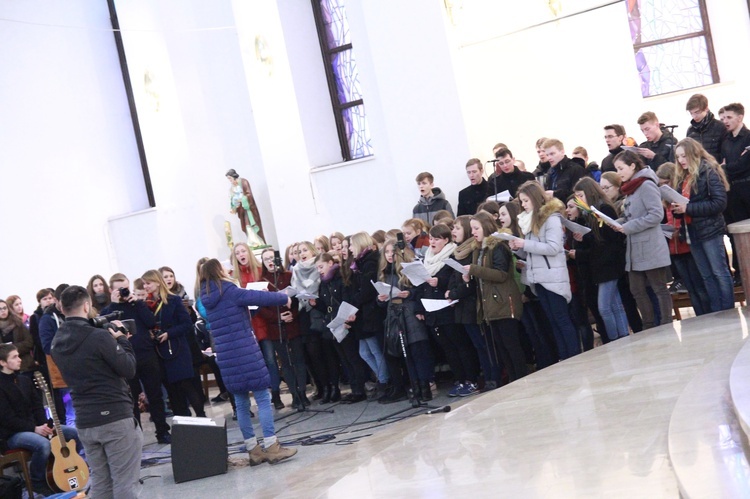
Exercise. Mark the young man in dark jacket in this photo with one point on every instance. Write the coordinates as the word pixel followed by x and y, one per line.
pixel 563 173
pixel 431 199
pixel 23 422
pixel 614 136
pixel 704 128
pixel 659 145
pixel 477 192
pixel 507 176
pixel 97 364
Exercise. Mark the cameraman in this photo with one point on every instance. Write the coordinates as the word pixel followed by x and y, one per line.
pixel 96 364
pixel 147 371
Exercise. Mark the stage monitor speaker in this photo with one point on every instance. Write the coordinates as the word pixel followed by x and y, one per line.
pixel 198 450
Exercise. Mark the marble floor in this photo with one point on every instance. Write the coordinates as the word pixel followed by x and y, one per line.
pixel 595 425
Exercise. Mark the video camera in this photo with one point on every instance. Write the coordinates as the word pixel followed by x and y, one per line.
pixel 104 322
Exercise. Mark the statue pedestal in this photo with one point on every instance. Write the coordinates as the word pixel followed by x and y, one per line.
pixel 741 233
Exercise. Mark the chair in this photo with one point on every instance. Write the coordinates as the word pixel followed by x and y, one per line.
pixel 22 457
pixel 204 371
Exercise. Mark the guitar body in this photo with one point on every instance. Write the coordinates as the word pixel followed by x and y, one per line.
pixel 66 470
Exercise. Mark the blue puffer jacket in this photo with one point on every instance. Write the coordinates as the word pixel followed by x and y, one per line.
pixel 237 351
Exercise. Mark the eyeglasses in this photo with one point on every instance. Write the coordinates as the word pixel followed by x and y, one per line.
pixel 610 137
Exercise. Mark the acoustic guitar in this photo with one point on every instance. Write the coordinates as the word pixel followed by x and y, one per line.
pixel 66 470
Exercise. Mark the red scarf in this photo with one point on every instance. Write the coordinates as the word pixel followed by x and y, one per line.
pixel 686 193
pixel 632 185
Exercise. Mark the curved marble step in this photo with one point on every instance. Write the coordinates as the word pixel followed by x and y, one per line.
pixel 705 438
pixel 739 387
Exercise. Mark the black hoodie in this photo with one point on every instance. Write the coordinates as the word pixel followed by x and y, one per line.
pixel 96 367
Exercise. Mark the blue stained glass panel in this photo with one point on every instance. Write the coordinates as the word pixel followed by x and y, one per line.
pixel 358 132
pixel 667 18
pixel 335 23
pixel 347 76
pixel 675 66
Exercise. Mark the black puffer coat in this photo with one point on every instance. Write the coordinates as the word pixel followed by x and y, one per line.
pixel 604 256
pixel 409 307
pixel 708 200
pixel 710 132
pixel 370 317
pixel 465 311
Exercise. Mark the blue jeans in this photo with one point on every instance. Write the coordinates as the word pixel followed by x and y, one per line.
pixel 694 283
pixel 370 351
pixel 565 333
pixel 612 311
pixel 40 449
pixel 265 413
pixel 711 259
pixel 489 360
pixel 269 355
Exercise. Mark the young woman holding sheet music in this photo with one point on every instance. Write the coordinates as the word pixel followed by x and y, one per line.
pixel 604 252
pixel 700 179
pixel 457 347
pixel 646 254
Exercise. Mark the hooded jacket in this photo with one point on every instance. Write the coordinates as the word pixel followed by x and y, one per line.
pixel 96 367
pixel 544 253
pixel 426 208
pixel 237 352
pixel 499 295
pixel 646 246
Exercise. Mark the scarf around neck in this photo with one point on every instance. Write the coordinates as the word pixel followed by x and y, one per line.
pixel 632 185
pixel 464 249
pixel 435 262
pixel 524 222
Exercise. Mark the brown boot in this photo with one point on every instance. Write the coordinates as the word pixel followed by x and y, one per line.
pixel 258 455
pixel 277 453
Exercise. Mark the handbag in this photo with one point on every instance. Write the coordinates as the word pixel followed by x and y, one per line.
pixel 317 321
pixel 395 327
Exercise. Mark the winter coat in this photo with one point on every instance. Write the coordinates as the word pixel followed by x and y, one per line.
pixel 563 176
pixel 237 352
pixel 544 253
pixel 426 208
pixel 21 407
pixel 471 197
pixel 97 368
pixel 708 200
pixel 442 316
pixel 271 315
pixel 604 257
pixel 608 163
pixel 646 246
pixel 465 311
pixel 710 133
pixel 143 345
pixel 409 307
pixel 736 164
pixel 174 352
pixel 370 317
pixel 499 296
pixel 508 181
pixel 663 149
pixel 330 296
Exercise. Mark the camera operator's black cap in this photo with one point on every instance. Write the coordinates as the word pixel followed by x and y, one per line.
pixel 232 173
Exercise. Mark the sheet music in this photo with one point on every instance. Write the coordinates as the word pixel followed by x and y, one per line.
pixel 608 220
pixel 672 196
pixel 416 272
pixel 435 305
pixel 456 266
pixel 574 227
pixel 256 286
pixel 505 236
pixel 337 325
pixel 385 289
pixel 501 197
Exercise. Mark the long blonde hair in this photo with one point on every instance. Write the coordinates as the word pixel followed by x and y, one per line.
pixel 398 260
pixel 535 193
pixel 197 288
pixel 695 155
pixel 252 263
pixel 155 276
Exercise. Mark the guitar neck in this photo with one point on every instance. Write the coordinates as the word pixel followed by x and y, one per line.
pixel 51 405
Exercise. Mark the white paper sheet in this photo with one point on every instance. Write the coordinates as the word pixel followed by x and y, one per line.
pixel 416 272
pixel 384 289
pixel 435 305
pixel 501 197
pixel 505 236
pixel 306 296
pixel 456 266
pixel 672 196
pixel 290 291
pixel 574 227
pixel 337 324
pixel 193 421
pixel 256 286
pixel 608 220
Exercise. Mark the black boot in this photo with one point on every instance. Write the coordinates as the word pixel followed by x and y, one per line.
pixel 276 400
pixel 335 393
pixel 296 404
pixel 393 394
pixel 426 392
pixel 318 392
pixel 326 395
pixel 303 398
pixel 415 394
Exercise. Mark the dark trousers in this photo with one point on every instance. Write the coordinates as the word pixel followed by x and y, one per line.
pixel 348 351
pixel 580 317
pixel 506 337
pixel 315 360
pixel 461 355
pixel 628 303
pixel 591 300
pixel 292 356
pixel 539 331
pixel 489 360
pixel 180 393
pixel 556 308
pixel 148 375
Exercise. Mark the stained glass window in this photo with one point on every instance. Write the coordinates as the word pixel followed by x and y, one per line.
pixel 672 44
pixel 343 79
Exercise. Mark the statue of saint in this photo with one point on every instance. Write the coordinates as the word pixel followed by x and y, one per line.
pixel 243 204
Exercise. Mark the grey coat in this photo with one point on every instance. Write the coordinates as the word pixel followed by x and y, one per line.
pixel 545 255
pixel 646 247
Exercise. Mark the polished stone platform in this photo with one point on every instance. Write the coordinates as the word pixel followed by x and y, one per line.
pixel 595 425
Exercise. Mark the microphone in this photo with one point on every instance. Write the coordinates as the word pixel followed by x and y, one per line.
pixel 400 243
pixel 277 259
pixel 445 408
pixel 492 161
